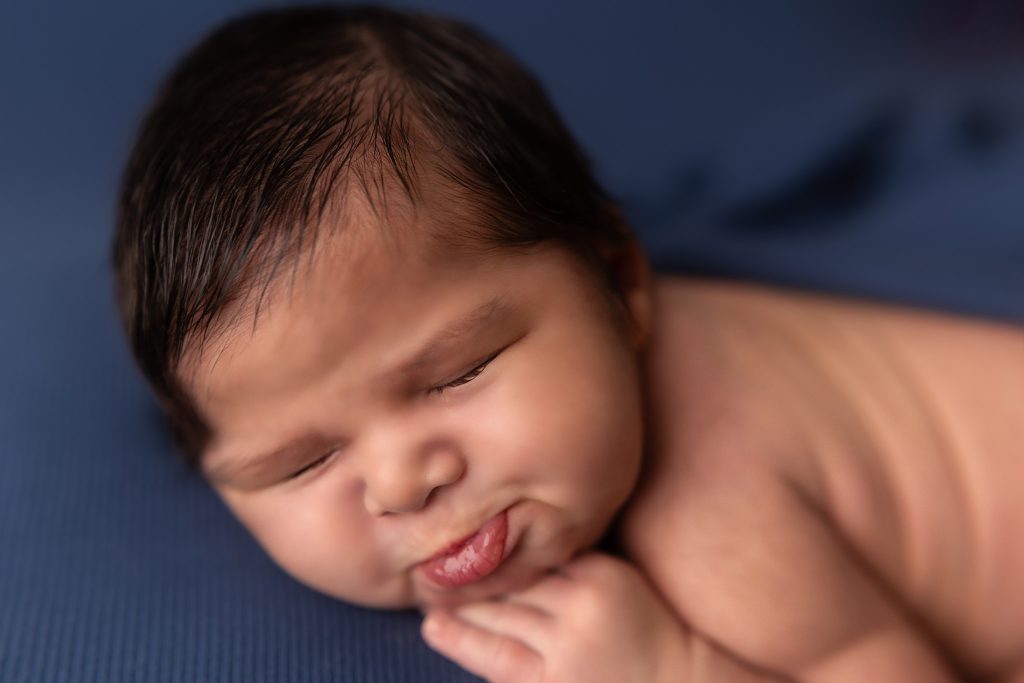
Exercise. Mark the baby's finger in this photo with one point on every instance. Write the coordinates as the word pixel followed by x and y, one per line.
pixel 496 658
pixel 585 567
pixel 527 624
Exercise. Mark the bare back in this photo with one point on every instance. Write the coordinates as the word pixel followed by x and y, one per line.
pixel 897 434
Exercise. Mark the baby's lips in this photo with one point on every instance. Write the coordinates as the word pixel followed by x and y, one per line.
pixel 472 559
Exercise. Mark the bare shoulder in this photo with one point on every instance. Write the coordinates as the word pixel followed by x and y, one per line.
pixel 798 447
pixel 748 562
pixel 714 520
pixel 717 350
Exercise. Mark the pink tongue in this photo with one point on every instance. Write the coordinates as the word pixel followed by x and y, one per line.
pixel 471 560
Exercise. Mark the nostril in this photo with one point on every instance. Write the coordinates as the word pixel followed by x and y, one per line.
pixel 430 497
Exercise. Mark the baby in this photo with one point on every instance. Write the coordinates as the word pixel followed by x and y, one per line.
pixel 410 342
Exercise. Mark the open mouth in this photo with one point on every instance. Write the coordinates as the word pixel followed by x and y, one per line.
pixel 470 559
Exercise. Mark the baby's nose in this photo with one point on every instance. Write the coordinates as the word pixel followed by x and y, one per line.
pixel 404 483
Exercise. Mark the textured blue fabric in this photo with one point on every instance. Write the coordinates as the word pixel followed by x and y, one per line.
pixel 818 145
pixel 907 192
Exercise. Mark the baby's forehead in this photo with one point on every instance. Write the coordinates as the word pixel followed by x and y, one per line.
pixel 366 266
pixel 362 251
pixel 366 232
pixel 426 218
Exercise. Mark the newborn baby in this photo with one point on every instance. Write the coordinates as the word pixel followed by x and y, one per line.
pixel 411 343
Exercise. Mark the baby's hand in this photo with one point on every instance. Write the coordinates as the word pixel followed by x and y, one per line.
pixel 596 619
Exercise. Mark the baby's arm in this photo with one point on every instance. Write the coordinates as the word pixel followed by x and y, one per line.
pixel 763 571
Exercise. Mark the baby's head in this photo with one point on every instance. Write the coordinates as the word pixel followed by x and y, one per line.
pixel 384 304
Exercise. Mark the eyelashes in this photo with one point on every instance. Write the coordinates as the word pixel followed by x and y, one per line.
pixel 465 378
pixel 311 466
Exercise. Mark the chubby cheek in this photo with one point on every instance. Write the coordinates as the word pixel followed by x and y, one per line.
pixel 598 456
pixel 317 544
pixel 569 432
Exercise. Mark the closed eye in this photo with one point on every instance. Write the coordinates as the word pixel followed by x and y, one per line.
pixel 464 378
pixel 312 465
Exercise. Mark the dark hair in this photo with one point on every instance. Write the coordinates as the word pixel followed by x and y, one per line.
pixel 262 121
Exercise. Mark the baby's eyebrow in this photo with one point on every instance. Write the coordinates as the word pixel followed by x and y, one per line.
pixel 481 317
